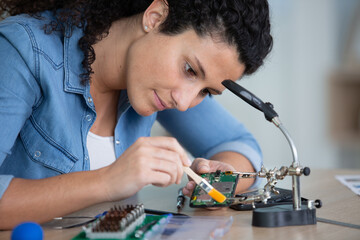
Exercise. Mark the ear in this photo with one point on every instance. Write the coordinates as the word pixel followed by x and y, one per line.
pixel 155 14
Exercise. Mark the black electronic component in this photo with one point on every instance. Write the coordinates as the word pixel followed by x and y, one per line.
pixel 180 199
pixel 283 197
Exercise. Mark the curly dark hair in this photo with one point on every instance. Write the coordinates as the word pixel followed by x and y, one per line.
pixel 241 23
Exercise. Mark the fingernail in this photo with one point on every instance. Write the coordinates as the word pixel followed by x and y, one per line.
pixel 190 185
pixel 189 162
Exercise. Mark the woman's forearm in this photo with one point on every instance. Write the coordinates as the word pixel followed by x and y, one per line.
pixel 43 199
pixel 150 160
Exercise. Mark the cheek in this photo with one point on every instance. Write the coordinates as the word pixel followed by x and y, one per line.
pixel 153 72
pixel 140 60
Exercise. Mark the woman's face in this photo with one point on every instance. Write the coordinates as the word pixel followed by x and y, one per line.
pixel 178 71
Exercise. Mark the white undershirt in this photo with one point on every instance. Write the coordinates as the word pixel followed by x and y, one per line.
pixel 101 150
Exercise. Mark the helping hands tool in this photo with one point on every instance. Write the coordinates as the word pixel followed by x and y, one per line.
pixel 276 216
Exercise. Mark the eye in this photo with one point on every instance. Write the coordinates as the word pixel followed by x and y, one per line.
pixel 189 70
pixel 205 92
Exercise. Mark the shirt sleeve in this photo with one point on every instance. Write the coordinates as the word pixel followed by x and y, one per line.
pixel 4 183
pixel 19 91
pixel 208 129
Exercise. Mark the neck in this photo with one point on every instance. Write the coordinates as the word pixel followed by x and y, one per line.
pixel 111 54
pixel 106 111
pixel 109 72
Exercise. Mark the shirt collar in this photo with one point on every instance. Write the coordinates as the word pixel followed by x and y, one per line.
pixel 73 57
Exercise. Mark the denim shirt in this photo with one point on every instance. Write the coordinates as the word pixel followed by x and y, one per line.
pixel 46 113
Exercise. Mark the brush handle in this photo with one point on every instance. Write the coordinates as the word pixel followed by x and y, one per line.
pixel 197 179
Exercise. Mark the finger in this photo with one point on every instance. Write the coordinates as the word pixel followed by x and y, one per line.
pixel 174 157
pixel 159 179
pixel 190 185
pixel 146 150
pixel 186 192
pixel 189 188
pixel 201 165
pixel 217 165
pixel 156 172
pixel 172 144
pixel 168 167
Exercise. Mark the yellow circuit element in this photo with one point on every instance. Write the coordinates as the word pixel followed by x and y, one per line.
pixel 228 173
pixel 193 198
pixel 216 195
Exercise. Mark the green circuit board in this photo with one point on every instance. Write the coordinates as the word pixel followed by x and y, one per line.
pixel 224 182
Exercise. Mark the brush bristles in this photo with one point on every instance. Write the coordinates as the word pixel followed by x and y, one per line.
pixel 216 195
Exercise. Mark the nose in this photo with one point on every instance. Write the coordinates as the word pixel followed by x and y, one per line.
pixel 186 98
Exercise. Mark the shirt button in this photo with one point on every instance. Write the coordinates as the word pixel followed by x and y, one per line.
pixel 88 118
pixel 117 142
pixel 89 99
pixel 86 157
pixel 37 154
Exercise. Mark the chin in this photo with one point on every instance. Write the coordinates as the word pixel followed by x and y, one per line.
pixel 141 107
pixel 146 114
pixel 143 112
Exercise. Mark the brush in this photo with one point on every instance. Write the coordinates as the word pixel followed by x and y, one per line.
pixel 205 185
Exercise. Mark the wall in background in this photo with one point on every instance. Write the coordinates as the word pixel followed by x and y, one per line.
pixel 309 38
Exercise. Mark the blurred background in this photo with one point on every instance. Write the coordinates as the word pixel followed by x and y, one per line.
pixel 312 77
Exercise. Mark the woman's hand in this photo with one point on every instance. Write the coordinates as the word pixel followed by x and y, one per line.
pixel 150 160
pixel 200 166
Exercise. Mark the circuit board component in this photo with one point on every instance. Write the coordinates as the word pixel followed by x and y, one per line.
pixel 117 223
pixel 125 222
pixel 224 182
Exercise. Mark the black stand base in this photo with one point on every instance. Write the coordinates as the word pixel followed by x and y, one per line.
pixel 283 215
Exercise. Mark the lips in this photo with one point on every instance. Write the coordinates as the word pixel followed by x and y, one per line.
pixel 159 103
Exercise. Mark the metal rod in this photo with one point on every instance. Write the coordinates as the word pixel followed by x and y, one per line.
pixel 295 179
pixel 247 174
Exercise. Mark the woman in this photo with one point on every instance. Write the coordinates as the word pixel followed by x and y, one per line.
pixel 82 82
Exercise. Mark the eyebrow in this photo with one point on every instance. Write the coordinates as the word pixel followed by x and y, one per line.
pixel 217 92
pixel 204 75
